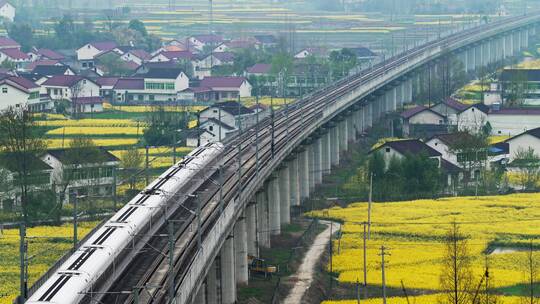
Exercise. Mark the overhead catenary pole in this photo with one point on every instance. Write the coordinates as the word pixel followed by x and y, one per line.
pixel 365 263
pixel 383 254
pixel 147 165
pixel 171 262
pixel 370 203
pixel 22 255
pixel 174 148
pixel 74 200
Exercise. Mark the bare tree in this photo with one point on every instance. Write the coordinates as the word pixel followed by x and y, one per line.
pixel 528 164
pixel 22 145
pixel 530 268
pixel 456 278
pixel 132 161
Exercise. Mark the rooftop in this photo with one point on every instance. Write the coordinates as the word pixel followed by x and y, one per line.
pixel 107 81
pixel 208 38
pixel 50 54
pixel 8 42
pixel 224 56
pixel 232 107
pixel 20 83
pixel 223 82
pixel 15 53
pixel 454 104
pixel 452 139
pixel 410 146
pixel 50 70
pixel 129 84
pixel 63 80
pixel 259 68
pixel 416 110
pixel 60 154
pixel 177 55
pixel 104 45
pixel 166 73
pixel 532 132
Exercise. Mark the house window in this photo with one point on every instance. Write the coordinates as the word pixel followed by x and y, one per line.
pixel 4 90
pixel 440 121
pixel 151 97
pixel 140 97
pixel 211 128
pixel 387 150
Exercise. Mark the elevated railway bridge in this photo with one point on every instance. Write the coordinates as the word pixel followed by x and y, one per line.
pixel 222 203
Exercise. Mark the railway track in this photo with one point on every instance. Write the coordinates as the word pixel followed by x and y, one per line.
pixel 239 168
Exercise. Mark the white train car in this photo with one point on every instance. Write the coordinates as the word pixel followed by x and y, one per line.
pixel 95 259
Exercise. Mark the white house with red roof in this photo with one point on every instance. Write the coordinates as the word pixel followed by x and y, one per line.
pixel 14 55
pixel 49 54
pixel 137 56
pixel 228 87
pixel 419 116
pixel 18 92
pixel 203 66
pixel 199 42
pixel 88 52
pixel 259 69
pixel 176 56
pixel 86 105
pixel 7 10
pixel 67 87
pixel 8 43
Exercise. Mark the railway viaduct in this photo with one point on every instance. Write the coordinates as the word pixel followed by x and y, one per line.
pixel 248 193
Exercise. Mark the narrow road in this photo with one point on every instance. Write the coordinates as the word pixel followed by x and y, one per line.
pixel 305 273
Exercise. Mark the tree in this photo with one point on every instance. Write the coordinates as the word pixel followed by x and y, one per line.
pixel 113 65
pixel 8 64
pixel 138 26
pixel 530 268
pixel 21 141
pixel 341 62
pixel 514 93
pixel 528 164
pixel 23 34
pixel 132 161
pixel 471 149
pixel 456 277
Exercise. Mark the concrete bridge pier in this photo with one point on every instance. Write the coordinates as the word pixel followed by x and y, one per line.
pixel 303 173
pixel 409 91
pixel 351 129
pixel 369 114
pixel 343 131
pixel 334 155
pixel 228 280
pixel 294 181
pixel 251 229
pixel 318 160
pixel 240 251
pixel 311 168
pixel 471 55
pixel 274 212
pixel 327 151
pixel 285 195
pixel 212 284
pixel 262 218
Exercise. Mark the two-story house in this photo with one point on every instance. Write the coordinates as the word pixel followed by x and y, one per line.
pixel 88 52
pixel 7 10
pixel 200 42
pixel 15 56
pixel 66 87
pixel 137 56
pixel 19 92
pixel 156 85
pixel 228 87
pixel 94 177
pixel 226 116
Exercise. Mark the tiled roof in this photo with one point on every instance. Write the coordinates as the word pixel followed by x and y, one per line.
pixel 513 74
pixel 60 154
pixel 34 64
pixel 223 82
pixel 416 110
pixel 480 106
pixel 4 2
pixel 454 104
pixel 129 84
pixel 449 167
pixel 50 70
pixel 8 42
pixel 50 54
pixel 260 68
pixel 107 81
pixel 363 52
pixel 232 107
pixel 10 161
pixel 142 54
pixel 15 53
pixel 219 123
pixel 63 80
pixel 104 45
pixel 177 55
pixel 532 132
pixel 163 73
pixel 20 83
pixel 411 146
pixel 453 138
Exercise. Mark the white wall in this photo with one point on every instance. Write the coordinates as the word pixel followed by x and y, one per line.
pixel 472 119
pixel 7 11
pixel 245 89
pixel 226 117
pixel 130 57
pixel 87 89
pixel 11 97
pixel 525 142
pixel 442 148
pixel 426 118
pixel 513 124
pixel 87 52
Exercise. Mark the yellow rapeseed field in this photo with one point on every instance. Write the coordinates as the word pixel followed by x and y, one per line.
pixel 58 143
pixel 146 109
pixel 97 131
pixel 92 123
pixel 414 232
pixel 425 299
pixel 45 243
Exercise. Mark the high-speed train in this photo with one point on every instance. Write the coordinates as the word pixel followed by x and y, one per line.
pixel 94 260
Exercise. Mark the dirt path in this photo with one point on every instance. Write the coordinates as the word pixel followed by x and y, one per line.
pixel 305 273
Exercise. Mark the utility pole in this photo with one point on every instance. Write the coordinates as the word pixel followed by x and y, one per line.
pixel 273 125
pixel 199 222
pixel 115 198
pixel 74 200
pixel 221 207
pixel 257 133
pixel 146 166
pixel 22 255
pixel 174 148
pixel 331 249
pixel 365 263
pixel 171 262
pixel 369 203
pixel 383 254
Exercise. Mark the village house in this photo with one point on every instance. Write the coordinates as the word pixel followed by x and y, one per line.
pixel 449 108
pixel 137 56
pixel 88 52
pixel 19 92
pixel 524 141
pixel 157 85
pixel 473 118
pixel 197 137
pixel 7 10
pixel 14 55
pixel 106 85
pixel 82 105
pixel 265 42
pixel 8 43
pixel 52 70
pixel 527 79
pixel 203 67
pixel 513 121
pixel 200 42
pixel 363 54
pixel 230 113
pixel 196 95
pixel 39 179
pixel 66 87
pixel 422 121
pixel 227 88
pixel 94 178
pixel 311 52
pixel 217 130
pixel 49 54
